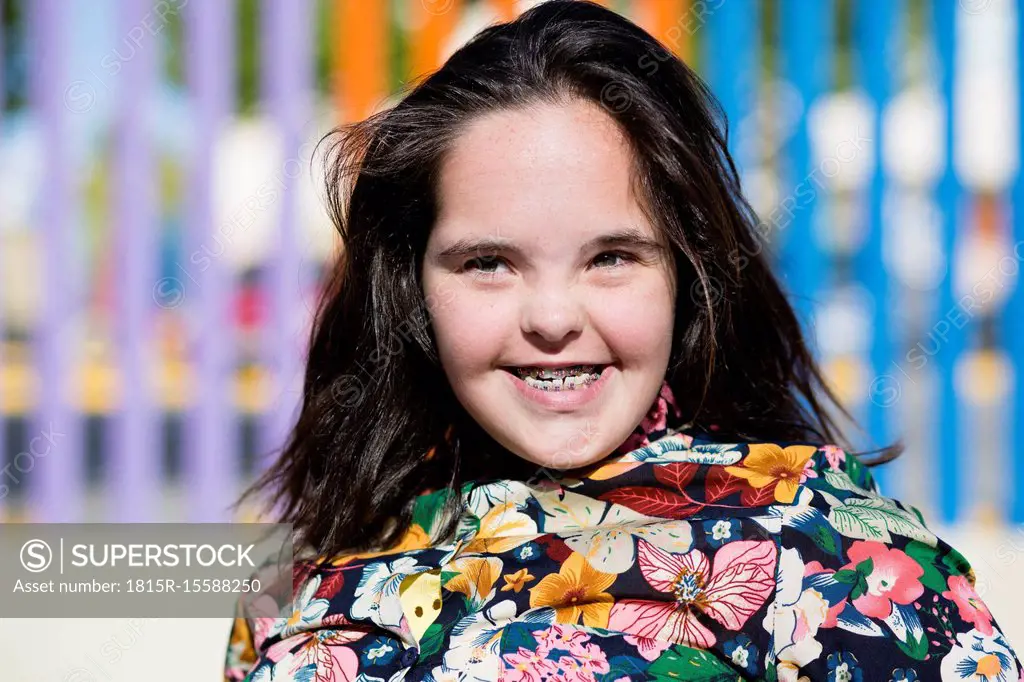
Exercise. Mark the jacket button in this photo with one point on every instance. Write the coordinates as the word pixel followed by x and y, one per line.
pixel 409 656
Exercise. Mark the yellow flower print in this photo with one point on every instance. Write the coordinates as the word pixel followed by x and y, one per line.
pixel 414 538
pixel 476 578
pixel 516 580
pixel 577 589
pixel 503 528
pixel 767 463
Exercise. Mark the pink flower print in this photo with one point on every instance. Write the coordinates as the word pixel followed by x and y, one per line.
pixel 261 628
pixel 320 646
pixel 737 586
pixel 808 471
pixel 834 455
pixel 894 577
pixel 560 636
pixel 583 664
pixel 670 398
pixel 648 647
pixel 655 420
pixel 972 609
pixel 527 666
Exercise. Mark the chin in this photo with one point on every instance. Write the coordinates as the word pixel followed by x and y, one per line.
pixel 566 458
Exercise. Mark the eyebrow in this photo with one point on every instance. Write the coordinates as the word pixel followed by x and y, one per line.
pixel 629 237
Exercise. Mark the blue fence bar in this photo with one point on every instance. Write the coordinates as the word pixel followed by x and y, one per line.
pixel 132 475
pixel 55 463
pixel 952 343
pixel 1014 313
pixel 732 70
pixel 288 72
pixel 212 439
pixel 806 45
pixel 876 26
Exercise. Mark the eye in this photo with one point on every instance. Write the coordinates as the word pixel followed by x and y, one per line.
pixel 626 258
pixel 482 264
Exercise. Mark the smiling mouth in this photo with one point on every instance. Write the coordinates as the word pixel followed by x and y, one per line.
pixel 558 379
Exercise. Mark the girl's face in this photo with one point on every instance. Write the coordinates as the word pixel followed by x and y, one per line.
pixel 542 257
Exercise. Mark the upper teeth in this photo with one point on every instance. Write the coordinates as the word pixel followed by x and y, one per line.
pixel 559 373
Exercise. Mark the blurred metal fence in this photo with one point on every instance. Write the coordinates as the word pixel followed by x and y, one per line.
pixel 160 243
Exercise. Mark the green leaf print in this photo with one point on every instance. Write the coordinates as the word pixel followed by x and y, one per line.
pixel 624 667
pixel 860 588
pixel 518 634
pixel 927 557
pixel 915 647
pixel 845 576
pixel 826 539
pixel 841 481
pixel 956 563
pixel 858 472
pixel 433 640
pixel 684 663
pixel 906 625
pixel 875 519
pixel 427 511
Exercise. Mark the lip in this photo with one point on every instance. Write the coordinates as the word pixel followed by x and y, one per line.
pixel 561 400
pixel 556 365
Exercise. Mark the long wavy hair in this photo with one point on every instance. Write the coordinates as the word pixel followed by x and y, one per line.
pixel 379 422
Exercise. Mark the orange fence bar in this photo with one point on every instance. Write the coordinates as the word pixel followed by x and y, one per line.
pixel 360 81
pixel 506 9
pixel 433 22
pixel 663 20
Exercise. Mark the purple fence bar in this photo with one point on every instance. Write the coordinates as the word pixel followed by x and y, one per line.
pixel 56 458
pixel 288 87
pixel 211 440
pixel 3 328
pixel 3 82
pixel 136 434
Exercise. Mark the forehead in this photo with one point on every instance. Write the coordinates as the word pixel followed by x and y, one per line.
pixel 545 171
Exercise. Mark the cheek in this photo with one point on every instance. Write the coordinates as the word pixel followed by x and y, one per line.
pixel 637 323
pixel 469 333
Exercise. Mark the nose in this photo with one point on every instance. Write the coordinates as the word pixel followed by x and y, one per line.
pixel 552 314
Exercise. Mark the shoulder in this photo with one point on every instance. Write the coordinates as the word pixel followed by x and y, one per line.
pixel 839 515
pixel 864 585
pixel 838 488
pixel 314 625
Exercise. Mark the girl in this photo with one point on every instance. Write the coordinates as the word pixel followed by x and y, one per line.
pixel 559 422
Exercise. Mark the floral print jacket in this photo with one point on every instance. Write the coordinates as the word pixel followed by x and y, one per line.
pixel 684 559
